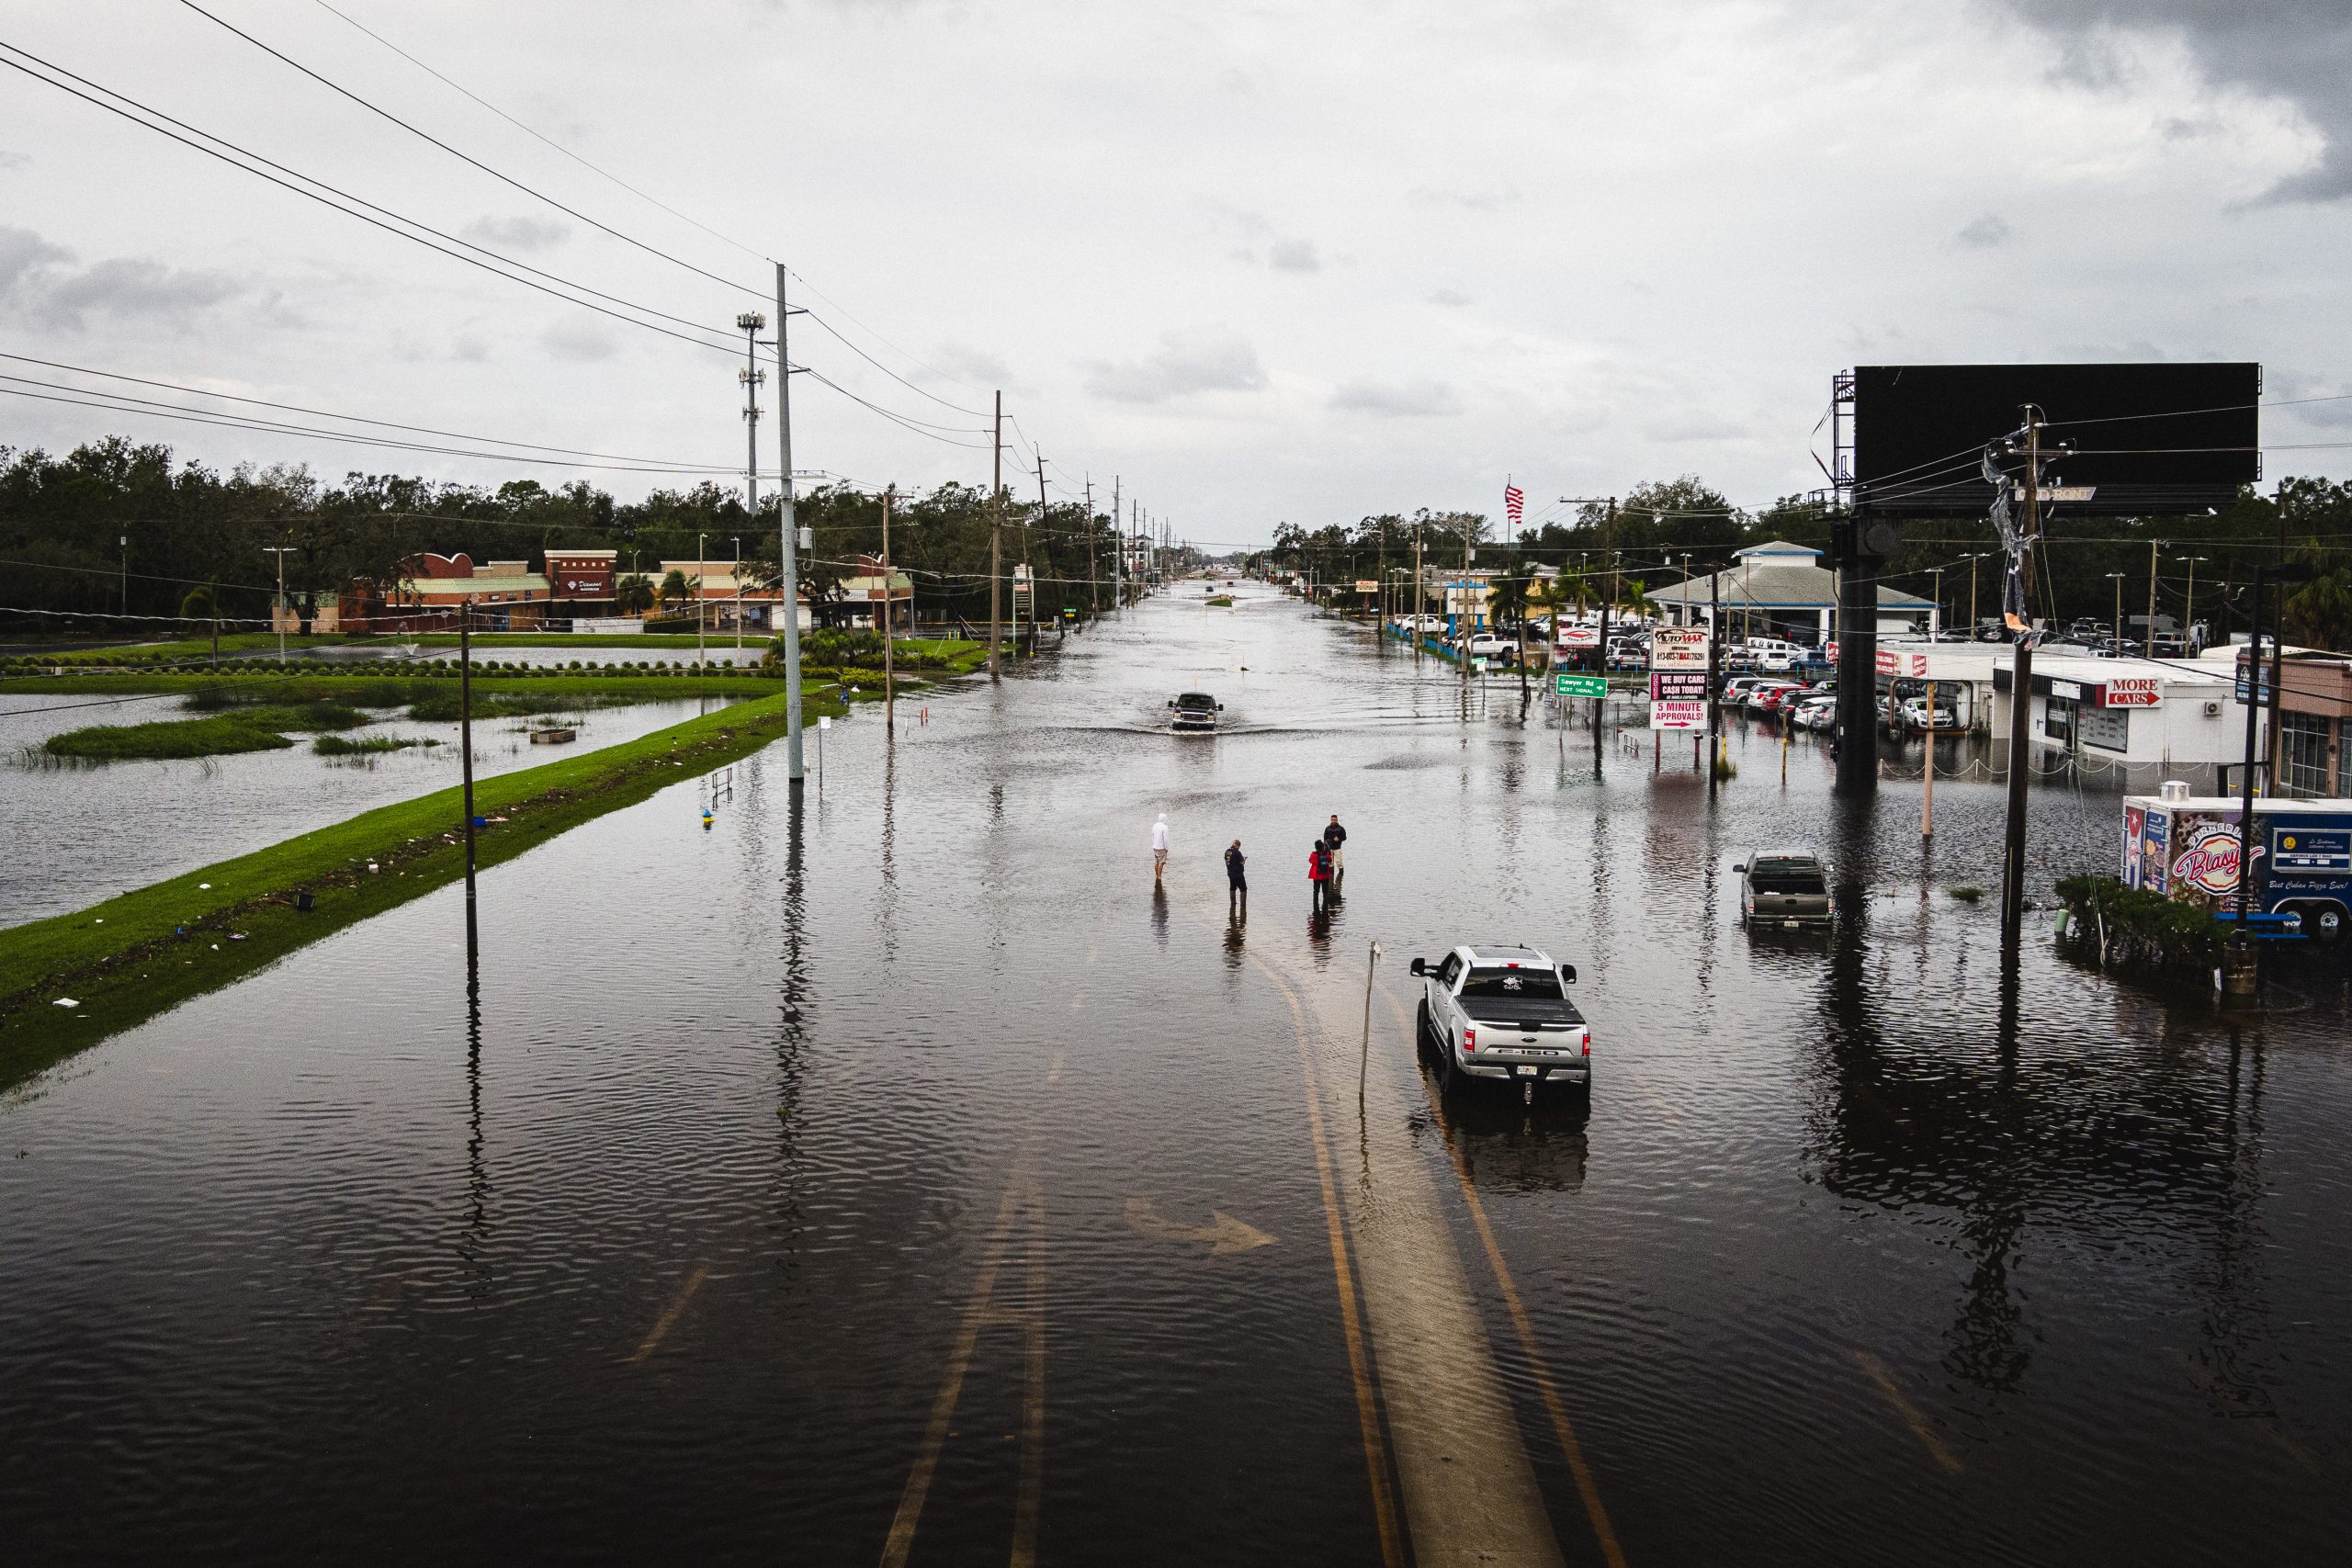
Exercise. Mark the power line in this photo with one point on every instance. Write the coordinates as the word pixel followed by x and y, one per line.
pixel 728 348
pixel 119 404
pixel 330 413
pixel 454 152
pixel 583 163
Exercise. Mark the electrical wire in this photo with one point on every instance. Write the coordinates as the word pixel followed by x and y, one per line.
pixel 727 348
pixel 528 130
pixel 330 413
pixel 454 152
pixel 121 403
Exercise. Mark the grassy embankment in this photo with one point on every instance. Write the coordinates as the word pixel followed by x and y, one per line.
pixel 127 959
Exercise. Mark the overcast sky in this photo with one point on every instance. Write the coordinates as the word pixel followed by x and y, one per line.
pixel 1267 262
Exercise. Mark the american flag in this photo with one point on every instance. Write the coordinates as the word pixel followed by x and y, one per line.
pixel 1514 503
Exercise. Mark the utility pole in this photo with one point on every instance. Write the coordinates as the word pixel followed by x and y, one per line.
pixel 1715 678
pixel 1420 594
pixel 466 751
pixel 212 603
pixel 996 540
pixel 2021 689
pixel 1042 514
pixel 889 671
pixel 701 656
pixel 1093 555
pixel 278 611
pixel 788 537
pixel 2189 607
pixel 751 322
pixel 1119 550
pixel 2148 640
pixel 124 540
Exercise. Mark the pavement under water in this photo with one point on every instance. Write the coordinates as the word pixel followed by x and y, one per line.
pixel 900 1174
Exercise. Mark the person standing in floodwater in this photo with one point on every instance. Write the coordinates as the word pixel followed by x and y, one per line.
pixel 1159 847
pixel 1335 838
pixel 1236 879
pixel 1319 875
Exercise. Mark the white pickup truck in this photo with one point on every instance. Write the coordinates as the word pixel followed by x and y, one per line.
pixel 1503 1014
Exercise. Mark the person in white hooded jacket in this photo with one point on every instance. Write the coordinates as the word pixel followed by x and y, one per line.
pixel 1160 846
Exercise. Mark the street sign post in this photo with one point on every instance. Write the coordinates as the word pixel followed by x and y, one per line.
pixel 1580 685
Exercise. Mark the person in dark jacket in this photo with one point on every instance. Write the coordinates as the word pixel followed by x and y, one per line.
pixel 1236 879
pixel 1334 838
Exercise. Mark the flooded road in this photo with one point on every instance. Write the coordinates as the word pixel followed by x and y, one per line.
pixel 904 1176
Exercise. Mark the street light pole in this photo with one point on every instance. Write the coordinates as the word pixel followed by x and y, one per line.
pixel 700 658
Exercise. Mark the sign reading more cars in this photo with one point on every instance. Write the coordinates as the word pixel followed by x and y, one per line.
pixel 1580 685
pixel 1679 648
pixel 1679 716
pixel 2131 692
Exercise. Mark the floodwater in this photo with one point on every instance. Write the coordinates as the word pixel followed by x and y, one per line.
pixel 78 833
pixel 902 1176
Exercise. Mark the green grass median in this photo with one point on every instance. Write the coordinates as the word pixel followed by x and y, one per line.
pixel 123 961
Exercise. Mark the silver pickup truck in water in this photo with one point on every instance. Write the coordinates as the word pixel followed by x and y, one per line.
pixel 1783 889
pixel 1503 1014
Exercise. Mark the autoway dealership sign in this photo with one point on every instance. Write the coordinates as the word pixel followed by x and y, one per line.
pixel 1679 648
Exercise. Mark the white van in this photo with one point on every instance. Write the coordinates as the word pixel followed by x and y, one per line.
pixel 1776 655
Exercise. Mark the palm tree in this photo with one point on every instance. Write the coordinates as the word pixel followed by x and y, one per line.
pixel 633 596
pixel 1510 598
pixel 1550 596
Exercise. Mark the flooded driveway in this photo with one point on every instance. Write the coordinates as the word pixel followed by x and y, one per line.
pixel 903 1175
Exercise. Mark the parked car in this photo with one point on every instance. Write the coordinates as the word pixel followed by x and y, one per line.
pixel 1816 712
pixel 1735 689
pixel 1783 889
pixel 1768 697
pixel 1912 717
pixel 1503 1014
pixel 1774 655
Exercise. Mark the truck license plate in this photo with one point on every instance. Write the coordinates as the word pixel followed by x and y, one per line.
pixel 1528 1072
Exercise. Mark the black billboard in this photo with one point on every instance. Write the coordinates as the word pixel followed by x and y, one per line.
pixel 2147 439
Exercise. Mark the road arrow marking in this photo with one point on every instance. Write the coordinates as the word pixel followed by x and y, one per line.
pixel 1223 1232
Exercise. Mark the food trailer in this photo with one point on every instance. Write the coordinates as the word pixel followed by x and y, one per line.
pixel 2186 846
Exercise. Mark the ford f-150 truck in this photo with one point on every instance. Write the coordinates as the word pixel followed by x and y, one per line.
pixel 1503 1014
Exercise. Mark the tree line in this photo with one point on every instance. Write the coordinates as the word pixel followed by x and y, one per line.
pixel 1659 530
pixel 119 528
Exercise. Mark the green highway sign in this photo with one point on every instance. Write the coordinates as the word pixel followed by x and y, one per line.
pixel 1580 685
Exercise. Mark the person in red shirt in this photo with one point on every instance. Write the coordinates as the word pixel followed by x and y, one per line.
pixel 1319 873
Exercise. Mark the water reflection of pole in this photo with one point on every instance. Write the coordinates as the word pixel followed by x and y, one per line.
pixel 466 759
pixel 792 1031
pixel 477 1170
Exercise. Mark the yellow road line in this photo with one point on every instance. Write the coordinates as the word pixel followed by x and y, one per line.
pixel 1032 1401
pixel 1881 1375
pixel 669 1315
pixel 1546 1387
pixel 1384 1506
pixel 901 1539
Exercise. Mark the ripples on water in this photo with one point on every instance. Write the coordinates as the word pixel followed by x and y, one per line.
pixel 326 1257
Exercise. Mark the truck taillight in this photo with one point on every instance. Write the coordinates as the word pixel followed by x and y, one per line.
pixel 1586 1041
pixel 1469 1039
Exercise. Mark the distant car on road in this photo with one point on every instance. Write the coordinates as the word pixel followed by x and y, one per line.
pixel 1503 1014
pixel 1783 889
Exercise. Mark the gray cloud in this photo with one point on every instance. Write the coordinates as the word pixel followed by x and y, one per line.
pixel 1989 231
pixel 579 340
pixel 1205 359
pixel 11 160
pixel 1451 296
pixel 1294 255
pixel 1420 397
pixel 2296 51
pixel 36 278
pixel 516 233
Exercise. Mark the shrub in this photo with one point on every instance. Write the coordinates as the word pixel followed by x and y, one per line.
pixel 165 740
pixel 2142 929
